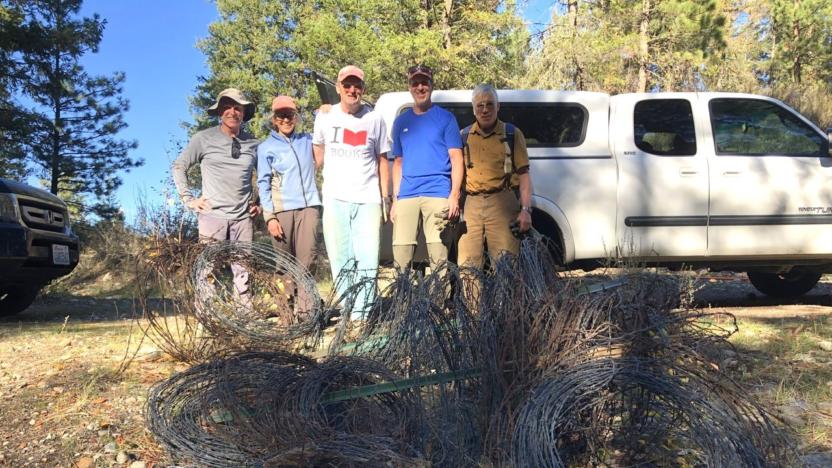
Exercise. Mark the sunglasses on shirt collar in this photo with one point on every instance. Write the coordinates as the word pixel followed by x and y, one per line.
pixel 236 148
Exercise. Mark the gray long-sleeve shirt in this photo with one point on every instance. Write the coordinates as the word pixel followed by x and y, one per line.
pixel 226 181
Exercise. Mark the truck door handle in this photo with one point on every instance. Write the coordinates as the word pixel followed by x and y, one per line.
pixel 731 173
pixel 688 172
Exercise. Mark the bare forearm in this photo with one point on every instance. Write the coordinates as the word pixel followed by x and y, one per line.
pixel 457 171
pixel 318 152
pixel 525 189
pixel 384 175
pixel 397 176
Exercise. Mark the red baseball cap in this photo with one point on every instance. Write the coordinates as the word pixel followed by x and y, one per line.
pixel 350 70
pixel 283 102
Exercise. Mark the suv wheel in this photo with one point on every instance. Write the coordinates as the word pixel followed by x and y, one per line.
pixel 16 299
pixel 792 284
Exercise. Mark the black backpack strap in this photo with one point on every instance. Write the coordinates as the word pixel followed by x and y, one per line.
pixel 466 152
pixel 510 140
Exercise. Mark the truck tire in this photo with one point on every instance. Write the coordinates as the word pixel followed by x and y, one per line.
pixel 547 226
pixel 792 284
pixel 16 300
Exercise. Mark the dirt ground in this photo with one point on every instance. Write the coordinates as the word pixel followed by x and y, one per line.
pixel 66 401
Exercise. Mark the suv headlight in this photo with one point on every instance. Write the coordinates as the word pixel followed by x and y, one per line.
pixel 8 208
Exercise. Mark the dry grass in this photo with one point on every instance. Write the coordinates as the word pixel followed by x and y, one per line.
pixel 788 362
pixel 62 397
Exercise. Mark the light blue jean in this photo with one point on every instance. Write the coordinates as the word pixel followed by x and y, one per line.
pixel 352 233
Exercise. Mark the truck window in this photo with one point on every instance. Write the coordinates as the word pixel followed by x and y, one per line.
pixel 664 127
pixel 549 125
pixel 754 127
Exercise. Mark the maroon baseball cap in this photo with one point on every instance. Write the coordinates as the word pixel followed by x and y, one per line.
pixel 420 69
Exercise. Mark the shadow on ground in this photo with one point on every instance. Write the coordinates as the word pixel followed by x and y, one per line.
pixel 738 292
pixel 55 308
pixel 719 291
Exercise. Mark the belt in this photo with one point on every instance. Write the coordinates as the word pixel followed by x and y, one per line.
pixel 489 192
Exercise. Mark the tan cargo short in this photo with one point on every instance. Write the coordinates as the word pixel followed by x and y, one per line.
pixel 411 213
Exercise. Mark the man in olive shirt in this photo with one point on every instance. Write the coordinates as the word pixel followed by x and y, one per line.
pixel 495 168
pixel 227 156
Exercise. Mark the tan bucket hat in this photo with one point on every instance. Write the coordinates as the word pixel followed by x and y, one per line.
pixel 237 96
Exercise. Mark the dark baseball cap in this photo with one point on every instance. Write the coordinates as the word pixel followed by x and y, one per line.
pixel 420 69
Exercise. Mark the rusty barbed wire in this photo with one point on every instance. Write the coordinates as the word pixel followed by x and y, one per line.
pixel 513 365
pixel 281 304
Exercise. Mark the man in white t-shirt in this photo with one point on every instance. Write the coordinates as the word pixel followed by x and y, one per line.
pixel 350 142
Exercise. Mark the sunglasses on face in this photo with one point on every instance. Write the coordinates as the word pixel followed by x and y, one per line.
pixel 419 82
pixel 347 86
pixel 236 149
pixel 284 115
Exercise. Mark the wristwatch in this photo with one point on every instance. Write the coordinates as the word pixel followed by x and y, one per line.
pixel 527 209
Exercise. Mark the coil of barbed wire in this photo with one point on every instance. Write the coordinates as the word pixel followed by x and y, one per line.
pixel 204 414
pixel 646 412
pixel 272 408
pixel 281 302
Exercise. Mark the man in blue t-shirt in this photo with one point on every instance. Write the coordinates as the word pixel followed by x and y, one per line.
pixel 427 171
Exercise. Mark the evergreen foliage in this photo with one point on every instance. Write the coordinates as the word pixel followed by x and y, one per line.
pixel 782 48
pixel 12 128
pixel 264 47
pixel 70 134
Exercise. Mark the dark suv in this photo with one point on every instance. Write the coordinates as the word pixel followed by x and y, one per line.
pixel 36 243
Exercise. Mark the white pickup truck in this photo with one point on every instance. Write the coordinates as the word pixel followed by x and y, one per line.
pixel 703 180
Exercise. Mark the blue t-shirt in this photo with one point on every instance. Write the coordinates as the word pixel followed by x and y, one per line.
pixel 423 141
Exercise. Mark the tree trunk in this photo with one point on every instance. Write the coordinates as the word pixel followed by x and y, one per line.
pixel 577 71
pixel 446 23
pixel 796 33
pixel 427 7
pixel 57 91
pixel 644 45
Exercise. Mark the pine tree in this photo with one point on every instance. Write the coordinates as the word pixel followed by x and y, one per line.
pixel 801 32
pixel 264 47
pixel 628 45
pixel 13 131
pixel 77 116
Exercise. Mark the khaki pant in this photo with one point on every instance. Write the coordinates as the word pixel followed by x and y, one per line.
pixel 412 213
pixel 487 218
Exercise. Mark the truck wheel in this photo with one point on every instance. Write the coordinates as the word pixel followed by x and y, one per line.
pixel 546 226
pixel 792 284
pixel 16 300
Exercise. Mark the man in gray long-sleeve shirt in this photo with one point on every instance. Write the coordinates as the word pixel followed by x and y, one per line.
pixel 227 157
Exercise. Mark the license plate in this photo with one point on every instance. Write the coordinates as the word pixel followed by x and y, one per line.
pixel 60 254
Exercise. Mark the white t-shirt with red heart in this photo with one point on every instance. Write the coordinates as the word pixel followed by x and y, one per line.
pixel 352 144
